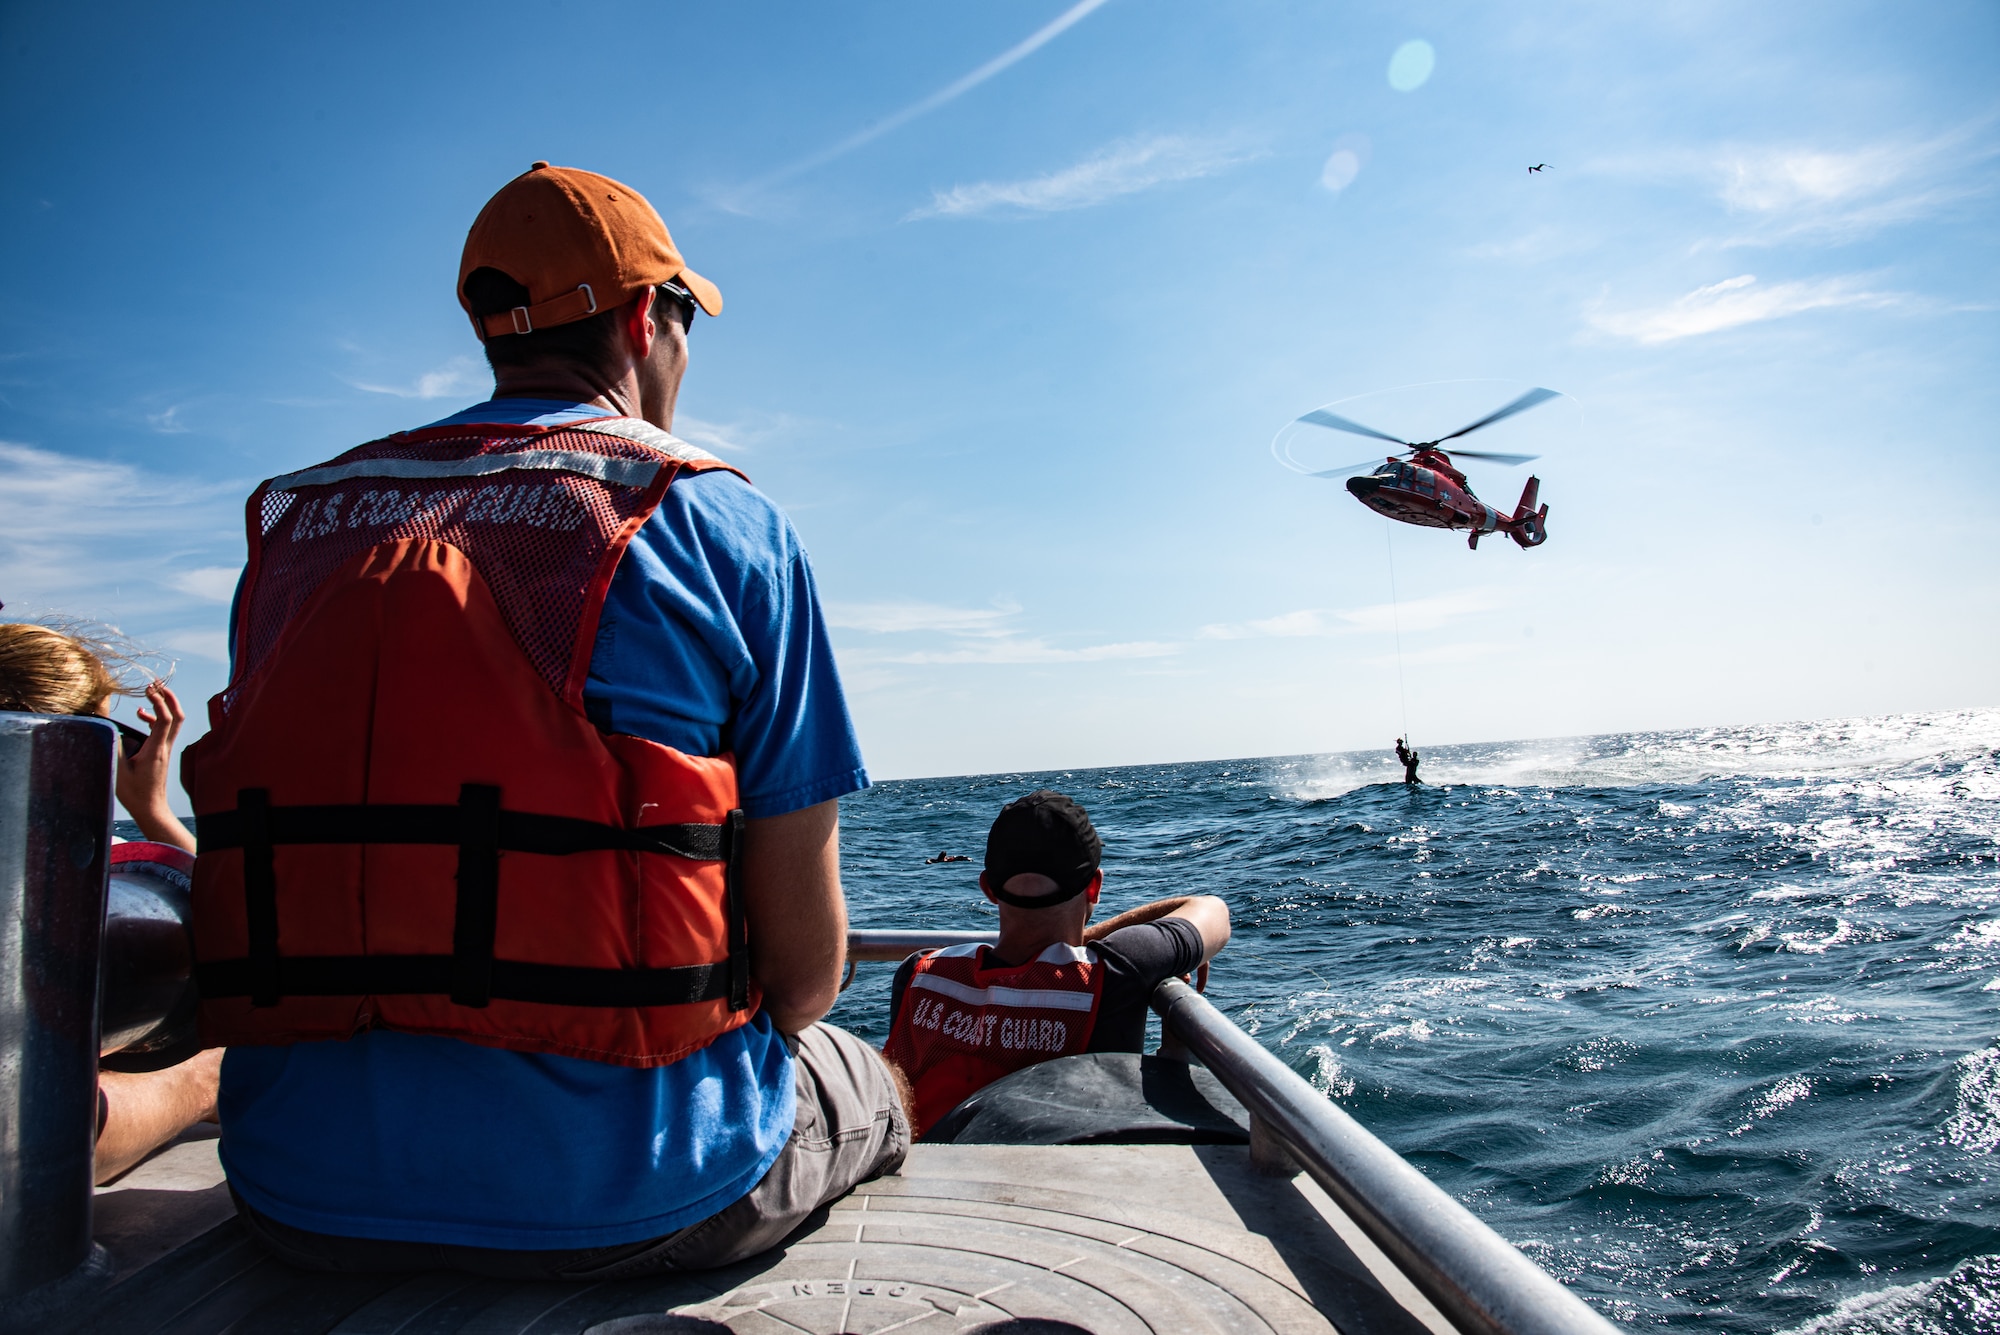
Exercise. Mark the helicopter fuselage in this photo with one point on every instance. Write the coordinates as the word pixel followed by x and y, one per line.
pixel 1428 491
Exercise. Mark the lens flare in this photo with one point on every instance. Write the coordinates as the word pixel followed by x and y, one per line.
pixel 1410 68
pixel 1340 169
pixel 1349 156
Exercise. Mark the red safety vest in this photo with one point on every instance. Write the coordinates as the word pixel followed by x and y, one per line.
pixel 962 1026
pixel 405 820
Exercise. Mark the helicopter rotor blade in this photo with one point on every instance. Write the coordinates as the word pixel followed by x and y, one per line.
pixel 1321 417
pixel 1375 462
pixel 1520 405
pixel 1509 459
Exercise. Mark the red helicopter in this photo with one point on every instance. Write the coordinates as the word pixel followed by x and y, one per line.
pixel 1426 489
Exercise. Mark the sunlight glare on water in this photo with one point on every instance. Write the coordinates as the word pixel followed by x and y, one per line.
pixel 1705 1020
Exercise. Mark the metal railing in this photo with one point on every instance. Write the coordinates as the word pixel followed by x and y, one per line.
pixel 1474 1276
pixel 893 947
pixel 55 838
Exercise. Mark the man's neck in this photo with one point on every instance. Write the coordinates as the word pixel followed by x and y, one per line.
pixel 1022 944
pixel 618 398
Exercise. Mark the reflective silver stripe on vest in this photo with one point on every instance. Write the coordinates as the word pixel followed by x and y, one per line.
pixel 617 472
pixel 1059 953
pixel 645 433
pixel 1051 999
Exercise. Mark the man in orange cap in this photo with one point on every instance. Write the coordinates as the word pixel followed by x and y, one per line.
pixel 565 679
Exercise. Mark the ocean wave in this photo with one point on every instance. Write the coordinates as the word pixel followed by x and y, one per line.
pixel 1961 1303
pixel 1700 1018
pixel 1873 749
pixel 1974 1124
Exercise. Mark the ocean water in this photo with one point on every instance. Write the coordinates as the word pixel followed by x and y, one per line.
pixel 1707 1022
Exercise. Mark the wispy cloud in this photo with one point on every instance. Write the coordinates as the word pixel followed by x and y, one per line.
pixel 215 584
pixel 1027 46
pixel 1420 614
pixel 168 422
pixel 744 434
pixel 1819 193
pixel 1461 652
pixel 1538 244
pixel 458 377
pixel 1033 651
pixel 979 635
pixel 1787 180
pixel 1840 194
pixel 1740 301
pixel 1122 169
pixel 210 642
pixel 164 575
pixel 894 618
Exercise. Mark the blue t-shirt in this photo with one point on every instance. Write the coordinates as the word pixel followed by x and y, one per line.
pixel 711 639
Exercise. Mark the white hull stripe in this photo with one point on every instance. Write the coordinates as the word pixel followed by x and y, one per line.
pixel 1021 997
pixel 617 472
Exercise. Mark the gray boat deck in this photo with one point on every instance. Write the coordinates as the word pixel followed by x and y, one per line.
pixel 1103 1238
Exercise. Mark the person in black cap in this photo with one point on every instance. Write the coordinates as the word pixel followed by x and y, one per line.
pixel 1054 986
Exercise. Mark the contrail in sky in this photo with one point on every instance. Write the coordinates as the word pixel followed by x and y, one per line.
pixel 1033 42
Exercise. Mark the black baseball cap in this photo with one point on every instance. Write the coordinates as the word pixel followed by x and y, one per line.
pixel 1044 832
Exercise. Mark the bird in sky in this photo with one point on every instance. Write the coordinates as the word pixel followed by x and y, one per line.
pixel 1537 167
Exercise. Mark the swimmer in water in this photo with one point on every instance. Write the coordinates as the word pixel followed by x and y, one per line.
pixel 1409 759
pixel 944 856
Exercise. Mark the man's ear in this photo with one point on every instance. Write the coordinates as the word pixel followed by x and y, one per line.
pixel 640 330
pixel 987 890
pixel 1096 886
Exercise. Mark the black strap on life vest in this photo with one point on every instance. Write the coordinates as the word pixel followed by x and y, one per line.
pixel 739 929
pixel 481 830
pixel 260 894
pixel 477 913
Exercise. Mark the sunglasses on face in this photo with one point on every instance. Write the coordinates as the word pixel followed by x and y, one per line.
pixel 683 303
pixel 130 738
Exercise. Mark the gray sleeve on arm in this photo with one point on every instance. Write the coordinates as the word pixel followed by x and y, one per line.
pixel 1165 948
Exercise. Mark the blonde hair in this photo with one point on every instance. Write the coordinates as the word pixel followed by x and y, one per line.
pixel 68 668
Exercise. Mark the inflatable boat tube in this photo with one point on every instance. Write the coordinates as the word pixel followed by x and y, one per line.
pixel 146 995
pixel 1099 1098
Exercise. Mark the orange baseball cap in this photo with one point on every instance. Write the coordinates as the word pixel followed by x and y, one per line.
pixel 579 242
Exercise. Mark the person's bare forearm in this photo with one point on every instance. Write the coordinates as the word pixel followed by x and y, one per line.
pixel 798 918
pixel 1153 912
pixel 162 826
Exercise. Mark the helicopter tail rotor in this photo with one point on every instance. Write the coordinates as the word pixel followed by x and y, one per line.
pixel 1529 526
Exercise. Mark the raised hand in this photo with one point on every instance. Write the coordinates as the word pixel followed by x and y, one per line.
pixel 142 776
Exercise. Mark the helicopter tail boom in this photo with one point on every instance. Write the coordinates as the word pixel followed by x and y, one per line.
pixel 1529 526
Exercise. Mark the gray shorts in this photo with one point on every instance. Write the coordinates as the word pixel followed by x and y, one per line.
pixel 849 1128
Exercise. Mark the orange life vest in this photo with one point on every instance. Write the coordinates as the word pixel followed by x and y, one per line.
pixel 405 820
pixel 961 1026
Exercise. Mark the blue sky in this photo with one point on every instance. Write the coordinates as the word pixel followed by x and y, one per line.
pixel 1018 295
